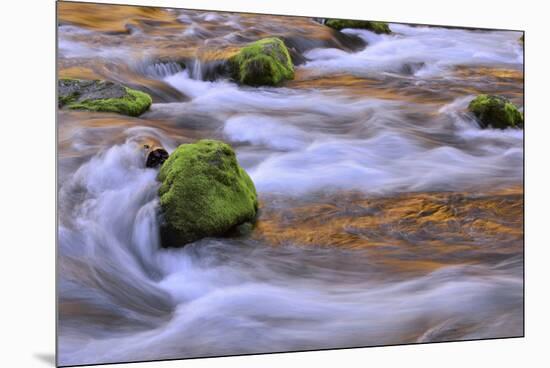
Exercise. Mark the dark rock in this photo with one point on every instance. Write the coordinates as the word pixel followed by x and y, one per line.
pixel 156 157
pixel 411 68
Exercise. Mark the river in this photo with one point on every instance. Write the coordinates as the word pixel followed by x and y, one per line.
pixel 387 216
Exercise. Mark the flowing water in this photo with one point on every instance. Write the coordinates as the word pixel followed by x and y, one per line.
pixel 387 215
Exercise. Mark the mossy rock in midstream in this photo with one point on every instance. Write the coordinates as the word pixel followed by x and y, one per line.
pixel 100 95
pixel 204 192
pixel 495 112
pixel 264 62
pixel 376 27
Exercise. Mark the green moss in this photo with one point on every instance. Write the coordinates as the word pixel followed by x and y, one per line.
pixel 496 112
pixel 264 62
pixel 376 27
pixel 204 192
pixel 134 103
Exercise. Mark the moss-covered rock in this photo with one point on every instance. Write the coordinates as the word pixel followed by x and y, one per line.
pixel 376 27
pixel 264 62
pixel 495 112
pixel 99 95
pixel 204 192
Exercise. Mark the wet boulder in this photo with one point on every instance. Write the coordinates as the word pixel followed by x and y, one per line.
pixel 495 112
pixel 376 27
pixel 100 95
pixel 266 62
pixel 204 192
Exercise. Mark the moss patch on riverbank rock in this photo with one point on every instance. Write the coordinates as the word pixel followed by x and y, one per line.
pixel 264 62
pixel 496 112
pixel 204 192
pixel 376 27
pixel 100 95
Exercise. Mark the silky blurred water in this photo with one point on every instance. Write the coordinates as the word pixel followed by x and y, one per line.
pixel 123 298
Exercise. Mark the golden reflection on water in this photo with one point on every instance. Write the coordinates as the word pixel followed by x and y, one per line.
pixel 161 33
pixel 414 231
pixel 161 36
pixel 112 18
pixel 461 81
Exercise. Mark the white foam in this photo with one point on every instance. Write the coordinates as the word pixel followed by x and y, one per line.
pixel 258 129
pixel 437 49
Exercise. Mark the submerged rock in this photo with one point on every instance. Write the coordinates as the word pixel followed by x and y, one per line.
pixel 204 192
pixel 376 27
pixel 495 112
pixel 100 95
pixel 264 62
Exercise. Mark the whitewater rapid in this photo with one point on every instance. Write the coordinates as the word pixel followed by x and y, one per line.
pixel 299 141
